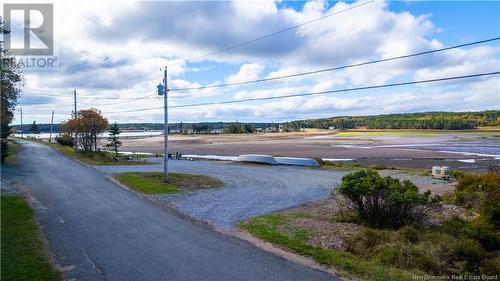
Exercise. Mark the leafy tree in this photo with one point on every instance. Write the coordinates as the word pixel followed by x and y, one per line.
pixel 233 128
pixel 87 126
pixel 35 129
pixel 10 82
pixel 384 202
pixel 237 128
pixel 113 141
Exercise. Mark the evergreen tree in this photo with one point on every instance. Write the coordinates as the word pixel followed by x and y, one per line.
pixel 113 141
pixel 35 129
pixel 10 82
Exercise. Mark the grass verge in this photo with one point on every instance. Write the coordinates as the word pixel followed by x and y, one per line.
pixel 11 159
pixel 269 228
pixel 152 182
pixel 98 158
pixel 23 254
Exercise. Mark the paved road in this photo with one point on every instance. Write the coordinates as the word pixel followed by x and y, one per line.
pixel 107 233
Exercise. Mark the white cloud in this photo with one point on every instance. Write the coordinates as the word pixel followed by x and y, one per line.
pixel 111 49
pixel 254 10
pixel 479 95
pixel 248 71
pixel 460 62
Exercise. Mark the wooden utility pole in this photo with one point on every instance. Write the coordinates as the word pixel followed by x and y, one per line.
pixel 74 116
pixel 165 127
pixel 163 91
pixel 51 126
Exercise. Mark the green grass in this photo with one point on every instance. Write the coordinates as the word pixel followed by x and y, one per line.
pixel 415 133
pixel 13 148
pixel 98 158
pixel 395 133
pixel 23 254
pixel 268 228
pixel 152 182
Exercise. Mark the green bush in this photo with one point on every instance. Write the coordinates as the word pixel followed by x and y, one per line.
pixel 409 234
pixel 469 249
pixel 490 266
pixel 384 202
pixel 492 213
pixel 432 250
pixel 477 191
pixel 65 140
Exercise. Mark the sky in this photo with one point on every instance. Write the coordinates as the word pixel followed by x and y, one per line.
pixel 114 51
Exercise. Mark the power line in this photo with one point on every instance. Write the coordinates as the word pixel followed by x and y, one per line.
pixel 284 76
pixel 84 97
pixel 138 98
pixel 277 32
pixel 337 67
pixel 321 93
pixel 46 94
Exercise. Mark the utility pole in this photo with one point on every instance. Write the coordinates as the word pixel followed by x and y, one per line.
pixel 163 90
pixel 21 122
pixel 74 102
pixel 51 125
pixel 165 157
pixel 74 116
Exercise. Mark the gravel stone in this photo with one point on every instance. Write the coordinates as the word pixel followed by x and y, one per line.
pixel 249 190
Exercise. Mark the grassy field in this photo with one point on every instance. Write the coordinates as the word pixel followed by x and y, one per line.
pixel 270 228
pixel 99 158
pixel 24 256
pixel 152 182
pixel 417 133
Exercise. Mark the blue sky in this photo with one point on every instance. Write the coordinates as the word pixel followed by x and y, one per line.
pixel 113 51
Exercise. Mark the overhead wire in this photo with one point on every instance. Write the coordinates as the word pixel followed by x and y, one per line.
pixel 319 93
pixel 336 67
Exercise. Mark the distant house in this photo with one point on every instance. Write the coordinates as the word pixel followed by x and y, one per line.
pixel 331 128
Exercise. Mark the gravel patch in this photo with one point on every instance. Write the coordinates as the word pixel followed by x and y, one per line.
pixel 249 190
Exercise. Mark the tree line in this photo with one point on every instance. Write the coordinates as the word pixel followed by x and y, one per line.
pixel 426 120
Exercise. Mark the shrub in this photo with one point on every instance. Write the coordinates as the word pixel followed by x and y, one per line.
pixel 490 266
pixel 384 202
pixel 409 234
pixel 469 249
pixel 389 255
pixel 65 140
pixel 477 191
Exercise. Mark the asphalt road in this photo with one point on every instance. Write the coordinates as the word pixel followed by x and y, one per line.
pixel 98 231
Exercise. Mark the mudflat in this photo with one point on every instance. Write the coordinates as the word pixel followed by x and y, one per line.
pixel 475 150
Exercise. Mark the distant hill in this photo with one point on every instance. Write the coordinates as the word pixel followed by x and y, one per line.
pixel 424 120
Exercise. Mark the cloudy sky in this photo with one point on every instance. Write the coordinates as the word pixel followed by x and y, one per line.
pixel 113 52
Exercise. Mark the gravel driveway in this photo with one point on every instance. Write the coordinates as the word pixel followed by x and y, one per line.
pixel 250 190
